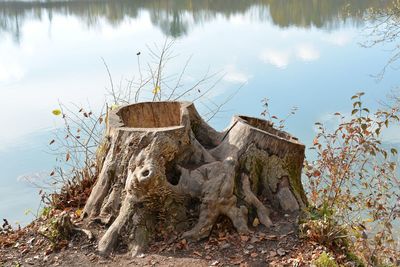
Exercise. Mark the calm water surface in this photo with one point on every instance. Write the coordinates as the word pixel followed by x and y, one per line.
pixel 300 53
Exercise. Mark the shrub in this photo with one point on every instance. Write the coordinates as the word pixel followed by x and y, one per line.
pixel 353 185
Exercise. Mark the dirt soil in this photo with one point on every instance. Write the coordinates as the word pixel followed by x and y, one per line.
pixel 278 246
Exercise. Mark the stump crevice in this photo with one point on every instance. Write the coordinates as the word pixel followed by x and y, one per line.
pixel 163 157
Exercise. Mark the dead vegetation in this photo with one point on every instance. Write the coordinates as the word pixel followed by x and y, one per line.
pixel 331 226
pixel 354 186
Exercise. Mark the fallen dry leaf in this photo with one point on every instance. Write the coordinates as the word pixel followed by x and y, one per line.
pixel 197 253
pixel 244 238
pixel 271 237
pixel 236 261
pixel 272 254
pixel 281 252
pixel 256 222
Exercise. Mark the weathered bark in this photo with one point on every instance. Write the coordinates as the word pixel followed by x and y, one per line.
pixel 162 155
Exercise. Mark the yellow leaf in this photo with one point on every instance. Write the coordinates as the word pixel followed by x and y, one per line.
pixel 156 90
pixel 369 220
pixel 78 212
pixel 114 106
pixel 256 222
pixel 56 112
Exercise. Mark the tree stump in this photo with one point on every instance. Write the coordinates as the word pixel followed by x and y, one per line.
pixel 163 158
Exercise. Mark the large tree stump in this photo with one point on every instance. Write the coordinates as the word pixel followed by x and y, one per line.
pixel 162 156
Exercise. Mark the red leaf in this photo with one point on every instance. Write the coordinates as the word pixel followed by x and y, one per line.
pixel 316 173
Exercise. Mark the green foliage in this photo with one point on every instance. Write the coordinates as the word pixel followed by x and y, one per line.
pixel 324 260
pixel 28 211
pixel 50 231
pixel 46 211
pixel 57 229
pixel 321 227
pixel 356 261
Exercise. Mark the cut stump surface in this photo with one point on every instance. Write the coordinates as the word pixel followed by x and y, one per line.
pixel 163 162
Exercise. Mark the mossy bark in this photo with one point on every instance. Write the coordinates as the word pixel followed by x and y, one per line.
pixel 162 156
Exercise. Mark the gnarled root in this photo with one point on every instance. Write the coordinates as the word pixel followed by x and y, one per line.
pixel 109 239
pixel 250 198
pixel 163 154
pixel 217 197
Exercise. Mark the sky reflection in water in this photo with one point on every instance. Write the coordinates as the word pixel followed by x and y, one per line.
pixel 296 53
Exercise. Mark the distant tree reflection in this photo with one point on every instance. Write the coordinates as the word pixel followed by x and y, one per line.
pixel 384 29
pixel 175 17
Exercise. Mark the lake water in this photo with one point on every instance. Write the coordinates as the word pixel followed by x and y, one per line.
pixel 300 53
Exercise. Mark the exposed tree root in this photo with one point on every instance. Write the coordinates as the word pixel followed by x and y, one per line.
pixel 163 155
